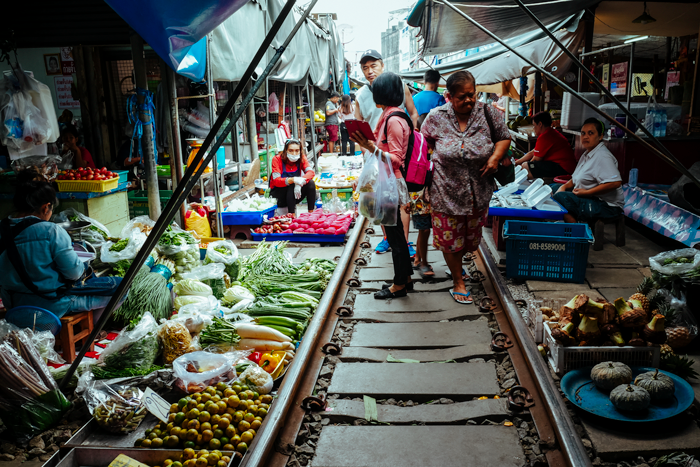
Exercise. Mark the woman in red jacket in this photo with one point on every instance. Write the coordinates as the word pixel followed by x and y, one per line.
pixel 292 179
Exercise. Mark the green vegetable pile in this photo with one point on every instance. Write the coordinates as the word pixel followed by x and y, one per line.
pixel 173 238
pixel 120 267
pixel 120 245
pixel 101 232
pixel 219 332
pixel 109 373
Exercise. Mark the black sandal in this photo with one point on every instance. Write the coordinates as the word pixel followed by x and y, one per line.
pixel 408 287
pixel 386 294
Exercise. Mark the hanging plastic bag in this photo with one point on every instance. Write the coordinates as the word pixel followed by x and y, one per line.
pixel 12 123
pixel 46 166
pixel 274 103
pixel 116 408
pixel 137 348
pixel 370 171
pixel 224 251
pixel 197 370
pixel 650 115
pixel 387 192
pixel 198 223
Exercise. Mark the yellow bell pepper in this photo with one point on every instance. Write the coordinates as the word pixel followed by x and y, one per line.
pixel 269 362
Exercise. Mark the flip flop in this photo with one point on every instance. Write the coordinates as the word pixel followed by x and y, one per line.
pixel 426 272
pixel 465 276
pixel 468 295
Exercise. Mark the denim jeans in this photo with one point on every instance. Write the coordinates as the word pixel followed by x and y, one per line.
pixel 93 294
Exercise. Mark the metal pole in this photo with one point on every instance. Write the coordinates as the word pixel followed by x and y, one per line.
pixel 252 131
pixel 630 84
pixel 177 143
pixel 268 144
pixel 660 149
pixel 149 158
pixel 312 109
pixel 194 171
pixel 583 53
pixel 293 104
pixel 212 118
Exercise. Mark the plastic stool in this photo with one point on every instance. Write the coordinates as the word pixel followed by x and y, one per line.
pixel 75 328
pixel 240 229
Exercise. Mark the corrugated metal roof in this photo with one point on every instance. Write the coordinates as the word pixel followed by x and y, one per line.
pixel 45 23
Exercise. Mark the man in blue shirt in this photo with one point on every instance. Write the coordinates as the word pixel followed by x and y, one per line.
pixel 429 98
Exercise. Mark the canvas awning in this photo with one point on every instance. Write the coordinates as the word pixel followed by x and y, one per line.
pixel 176 29
pixel 310 57
pixel 444 31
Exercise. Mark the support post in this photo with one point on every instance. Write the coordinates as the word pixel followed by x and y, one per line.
pixel 313 124
pixel 147 141
pixel 212 119
pixel 252 131
pixel 94 106
pixel 176 156
pixel 695 85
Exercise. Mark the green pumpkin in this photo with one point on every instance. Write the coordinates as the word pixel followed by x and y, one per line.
pixel 628 397
pixel 609 375
pixel 659 385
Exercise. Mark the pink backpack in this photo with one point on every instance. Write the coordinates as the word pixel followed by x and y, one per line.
pixel 417 170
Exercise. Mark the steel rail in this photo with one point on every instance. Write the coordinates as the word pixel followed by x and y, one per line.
pixel 607 93
pixel 195 170
pixel 566 87
pixel 266 438
pixel 572 448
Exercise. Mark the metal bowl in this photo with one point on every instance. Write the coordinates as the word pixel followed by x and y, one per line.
pixel 74 226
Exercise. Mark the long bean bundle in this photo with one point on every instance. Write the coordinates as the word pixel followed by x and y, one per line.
pixel 268 258
pixel 149 292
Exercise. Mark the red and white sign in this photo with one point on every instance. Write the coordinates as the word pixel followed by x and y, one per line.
pixel 618 79
pixel 67 62
pixel 63 94
pixel 673 78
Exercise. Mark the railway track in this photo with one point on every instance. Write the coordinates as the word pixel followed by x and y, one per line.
pixel 416 381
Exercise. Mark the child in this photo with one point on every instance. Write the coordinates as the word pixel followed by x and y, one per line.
pixel 420 212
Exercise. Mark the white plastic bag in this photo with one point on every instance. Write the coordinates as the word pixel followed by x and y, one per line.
pixel 197 370
pixel 119 354
pixel 370 171
pixel 96 234
pixel 143 224
pixel 387 192
pixel 135 242
pixel 674 268
pixel 224 251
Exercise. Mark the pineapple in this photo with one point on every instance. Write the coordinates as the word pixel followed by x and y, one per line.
pixel 666 351
pixel 668 311
pixel 680 366
pixel 678 337
pixel 643 289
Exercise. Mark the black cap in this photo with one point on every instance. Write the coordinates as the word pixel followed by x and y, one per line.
pixel 370 54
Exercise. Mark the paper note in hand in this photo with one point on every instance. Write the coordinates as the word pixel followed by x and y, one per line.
pixel 156 405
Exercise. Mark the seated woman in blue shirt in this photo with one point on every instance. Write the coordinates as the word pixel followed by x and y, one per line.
pixel 39 266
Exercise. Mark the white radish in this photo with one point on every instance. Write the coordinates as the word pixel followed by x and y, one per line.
pixel 256 331
pixel 261 344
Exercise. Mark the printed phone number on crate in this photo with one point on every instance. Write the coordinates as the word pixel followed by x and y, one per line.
pixel 548 246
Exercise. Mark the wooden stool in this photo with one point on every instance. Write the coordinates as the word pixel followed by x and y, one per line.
pixel 75 328
pixel 599 228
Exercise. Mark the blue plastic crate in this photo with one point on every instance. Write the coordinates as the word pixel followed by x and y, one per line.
pixel 247 217
pixel 547 251
pixel 123 175
pixel 302 238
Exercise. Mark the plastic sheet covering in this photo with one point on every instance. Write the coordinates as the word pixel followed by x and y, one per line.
pixel 661 216
pixel 175 29
pixel 567 30
pixel 445 31
pixel 309 56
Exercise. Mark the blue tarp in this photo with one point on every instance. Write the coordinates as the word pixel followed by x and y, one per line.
pixel 177 29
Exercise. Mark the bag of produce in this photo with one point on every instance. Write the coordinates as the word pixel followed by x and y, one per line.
pixel 208 302
pixel 258 378
pixel 213 275
pixel 116 408
pixel 133 349
pixel 30 401
pixel 125 248
pixel 143 224
pixel 224 251
pixel 367 181
pixel 198 223
pixel 236 294
pixel 182 248
pixel 177 341
pixel 192 287
pixel 96 234
pixel 197 370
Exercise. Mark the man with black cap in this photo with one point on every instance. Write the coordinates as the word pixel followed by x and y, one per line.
pixel 373 66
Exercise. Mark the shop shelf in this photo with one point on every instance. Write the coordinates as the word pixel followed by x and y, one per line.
pixel 89 186
pixel 247 217
pixel 564 359
pixel 547 251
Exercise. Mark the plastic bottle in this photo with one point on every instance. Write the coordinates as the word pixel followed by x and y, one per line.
pixel 632 179
pixel 663 122
pixel 657 124
pixel 319 203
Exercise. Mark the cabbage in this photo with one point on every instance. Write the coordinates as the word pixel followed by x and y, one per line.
pixel 183 300
pixel 192 287
pixel 235 294
pixel 256 203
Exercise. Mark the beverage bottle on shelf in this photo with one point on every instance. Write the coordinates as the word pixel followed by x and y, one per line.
pixel 657 123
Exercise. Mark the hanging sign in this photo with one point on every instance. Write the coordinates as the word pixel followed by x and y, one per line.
pixel 606 76
pixel 63 94
pixel 67 62
pixel 673 78
pixel 618 78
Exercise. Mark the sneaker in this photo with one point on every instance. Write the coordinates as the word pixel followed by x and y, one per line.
pixel 411 250
pixel 383 247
